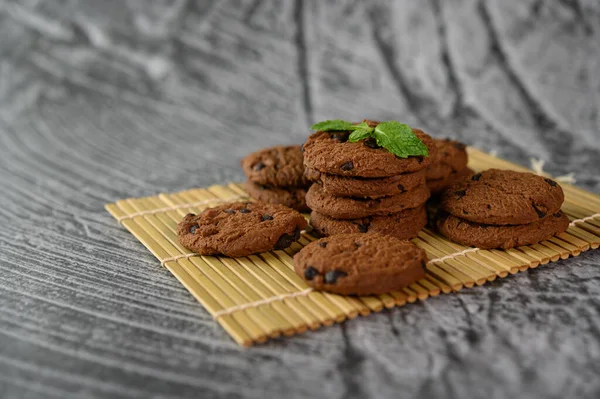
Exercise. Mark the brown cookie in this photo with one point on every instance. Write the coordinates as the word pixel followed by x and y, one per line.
pixel 451 157
pixel 354 208
pixel 241 229
pixel 438 185
pixel 403 225
pixel 332 153
pixel 291 197
pixel 365 187
pixel 487 236
pixel 360 264
pixel 502 197
pixel 279 166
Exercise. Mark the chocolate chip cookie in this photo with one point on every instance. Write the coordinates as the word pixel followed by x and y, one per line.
pixel 503 197
pixel 290 196
pixel 438 185
pixel 488 236
pixel 451 157
pixel 354 207
pixel 332 153
pixel 403 225
pixel 241 229
pixel 279 166
pixel 365 187
pixel 360 264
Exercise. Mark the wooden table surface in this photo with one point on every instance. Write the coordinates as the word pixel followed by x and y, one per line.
pixel 102 100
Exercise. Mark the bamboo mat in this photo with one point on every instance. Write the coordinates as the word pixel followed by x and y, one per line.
pixel 260 297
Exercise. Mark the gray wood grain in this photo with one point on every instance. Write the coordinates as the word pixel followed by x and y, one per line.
pixel 101 100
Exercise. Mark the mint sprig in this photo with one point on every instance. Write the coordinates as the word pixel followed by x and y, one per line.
pixel 398 138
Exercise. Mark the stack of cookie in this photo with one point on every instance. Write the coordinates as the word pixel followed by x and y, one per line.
pixel 276 176
pixel 361 187
pixel 448 167
pixel 502 209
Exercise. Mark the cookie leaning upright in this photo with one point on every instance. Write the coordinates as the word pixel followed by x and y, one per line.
pixel 240 229
pixel 502 209
pixel 448 166
pixel 367 171
pixel 276 175
pixel 360 264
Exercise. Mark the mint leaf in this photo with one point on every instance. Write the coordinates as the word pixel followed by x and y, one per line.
pixel 360 134
pixel 333 125
pixel 399 139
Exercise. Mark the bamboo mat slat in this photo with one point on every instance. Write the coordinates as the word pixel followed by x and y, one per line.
pixel 260 297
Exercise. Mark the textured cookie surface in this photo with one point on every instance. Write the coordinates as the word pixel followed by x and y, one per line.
pixel 278 166
pixel 291 197
pixel 450 158
pixel 240 229
pixel 487 236
pixel 360 264
pixel 332 153
pixel 403 225
pixel 438 185
pixel 319 200
pixel 365 187
pixel 503 197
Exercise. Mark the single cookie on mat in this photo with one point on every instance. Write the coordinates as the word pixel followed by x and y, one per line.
pixel 450 158
pixel 438 185
pixel 503 197
pixel 488 236
pixel 332 153
pixel 354 208
pixel 241 229
pixel 290 196
pixel 360 264
pixel 403 225
pixel 365 187
pixel 279 166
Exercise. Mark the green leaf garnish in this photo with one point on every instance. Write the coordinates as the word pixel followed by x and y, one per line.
pixel 398 138
pixel 333 125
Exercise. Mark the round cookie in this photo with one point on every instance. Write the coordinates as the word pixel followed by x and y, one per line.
pixel 403 225
pixel 332 153
pixel 438 185
pixel 279 166
pixel 503 197
pixel 291 197
pixel 365 187
pixel 354 208
pixel 487 236
pixel 240 229
pixel 360 264
pixel 451 157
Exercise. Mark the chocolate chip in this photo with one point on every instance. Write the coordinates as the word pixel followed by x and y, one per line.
pixel 539 212
pixel 340 136
pixel 445 153
pixel 193 228
pixel 267 217
pixel 347 166
pixel 190 215
pixel 244 210
pixel 371 143
pixel 332 276
pixel 460 193
pixel 459 146
pixel 363 228
pixel 401 188
pixel 465 212
pixel 420 159
pixel 310 273
pixel 287 239
pixel 551 182
pixel 259 166
pixel 424 265
pixel 476 177
pixel 230 211
pixel 323 244
pixel 302 147
pixel 489 206
pixel 558 214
